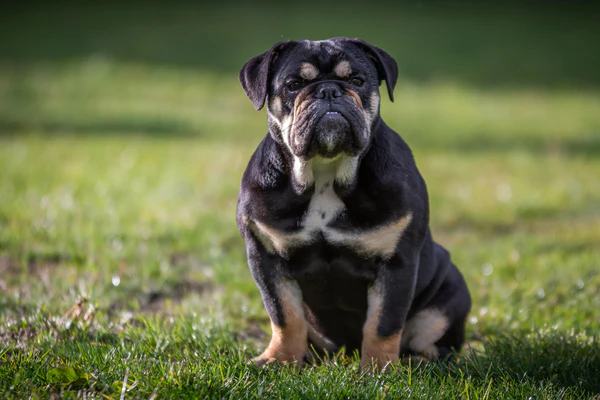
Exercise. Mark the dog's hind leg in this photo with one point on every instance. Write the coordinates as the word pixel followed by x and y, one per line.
pixel 438 330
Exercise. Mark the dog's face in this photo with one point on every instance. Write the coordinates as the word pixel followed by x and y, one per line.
pixel 322 97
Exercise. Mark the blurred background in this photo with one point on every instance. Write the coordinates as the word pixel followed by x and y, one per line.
pixel 124 133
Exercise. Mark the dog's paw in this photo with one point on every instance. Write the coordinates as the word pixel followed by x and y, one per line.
pixel 378 364
pixel 415 360
pixel 281 359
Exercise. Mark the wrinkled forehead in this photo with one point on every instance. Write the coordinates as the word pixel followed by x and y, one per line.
pixel 325 57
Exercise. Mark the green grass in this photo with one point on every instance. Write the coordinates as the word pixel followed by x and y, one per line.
pixel 123 137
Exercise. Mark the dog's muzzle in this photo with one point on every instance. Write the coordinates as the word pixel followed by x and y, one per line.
pixel 331 130
pixel 331 134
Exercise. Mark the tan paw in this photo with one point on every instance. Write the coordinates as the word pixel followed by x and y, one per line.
pixel 283 359
pixel 414 360
pixel 378 364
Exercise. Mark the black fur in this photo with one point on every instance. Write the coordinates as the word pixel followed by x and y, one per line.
pixel 255 74
pixel 334 279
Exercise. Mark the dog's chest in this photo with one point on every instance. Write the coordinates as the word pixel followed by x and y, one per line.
pixel 317 225
pixel 324 206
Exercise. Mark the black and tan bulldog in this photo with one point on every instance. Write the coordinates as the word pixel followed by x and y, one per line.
pixel 335 214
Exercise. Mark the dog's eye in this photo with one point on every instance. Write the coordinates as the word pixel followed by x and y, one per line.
pixel 357 82
pixel 294 85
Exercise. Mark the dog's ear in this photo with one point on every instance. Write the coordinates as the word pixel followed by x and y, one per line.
pixel 255 74
pixel 386 65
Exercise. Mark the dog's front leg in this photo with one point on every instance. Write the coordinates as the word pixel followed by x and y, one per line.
pixel 289 338
pixel 389 300
pixel 283 301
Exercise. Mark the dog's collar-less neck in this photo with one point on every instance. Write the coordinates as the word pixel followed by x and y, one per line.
pixel 302 174
pixel 342 168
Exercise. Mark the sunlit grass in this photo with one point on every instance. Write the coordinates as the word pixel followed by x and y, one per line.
pixel 118 186
pixel 144 224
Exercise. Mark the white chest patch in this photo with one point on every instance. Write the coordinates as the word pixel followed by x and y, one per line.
pixel 324 207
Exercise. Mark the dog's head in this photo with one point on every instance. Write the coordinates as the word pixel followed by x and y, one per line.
pixel 322 96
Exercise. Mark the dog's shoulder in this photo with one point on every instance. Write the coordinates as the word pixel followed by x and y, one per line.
pixel 266 192
pixel 390 153
pixel 390 163
pixel 389 184
pixel 266 168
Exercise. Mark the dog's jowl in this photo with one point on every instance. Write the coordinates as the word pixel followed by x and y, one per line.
pixel 335 214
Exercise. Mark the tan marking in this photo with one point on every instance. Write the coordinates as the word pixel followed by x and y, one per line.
pixel 324 198
pixel 301 103
pixel 431 352
pixel 324 201
pixel 264 236
pixel 375 348
pixel 286 128
pixel 308 71
pixel 346 172
pixel 288 343
pixel 381 241
pixel 274 240
pixel 374 105
pixel 355 96
pixel 302 169
pixel 302 172
pixel 343 69
pixel 384 240
pixel 276 106
pixel 368 114
pixel 423 330
pixel 371 112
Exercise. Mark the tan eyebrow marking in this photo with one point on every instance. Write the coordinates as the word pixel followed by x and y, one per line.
pixel 343 69
pixel 309 71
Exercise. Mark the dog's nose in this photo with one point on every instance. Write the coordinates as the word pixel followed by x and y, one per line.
pixel 328 91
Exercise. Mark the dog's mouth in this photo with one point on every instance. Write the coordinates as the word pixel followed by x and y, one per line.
pixel 328 129
pixel 331 134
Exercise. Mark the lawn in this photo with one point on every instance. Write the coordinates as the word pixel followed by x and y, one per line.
pixel 123 137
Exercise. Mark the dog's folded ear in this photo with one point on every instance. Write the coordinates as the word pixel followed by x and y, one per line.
pixel 386 65
pixel 254 76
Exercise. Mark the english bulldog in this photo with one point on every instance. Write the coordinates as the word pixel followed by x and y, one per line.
pixel 335 214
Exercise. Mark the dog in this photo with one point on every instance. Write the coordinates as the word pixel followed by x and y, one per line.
pixel 335 215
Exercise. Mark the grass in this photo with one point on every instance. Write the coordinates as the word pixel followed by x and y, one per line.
pixel 121 152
